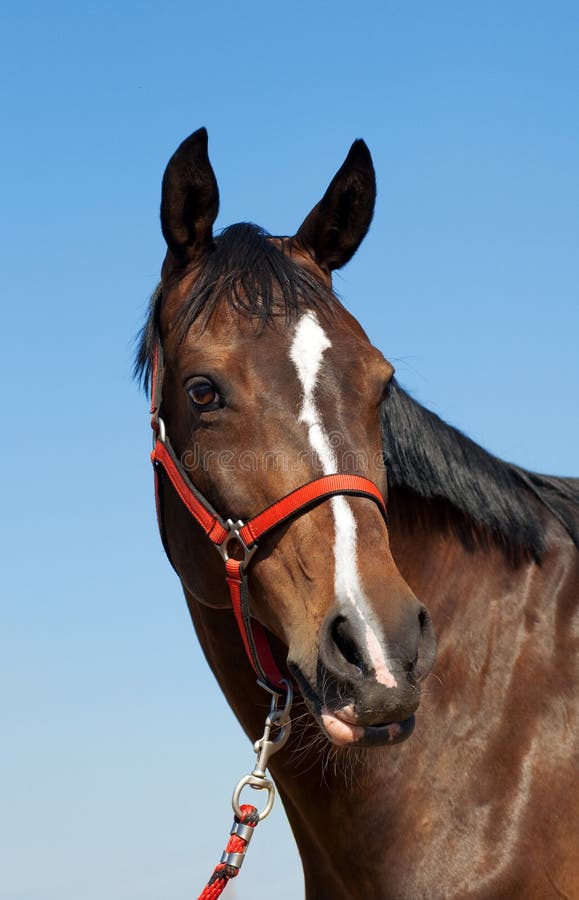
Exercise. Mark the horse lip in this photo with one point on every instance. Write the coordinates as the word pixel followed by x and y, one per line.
pixel 346 714
pixel 391 733
pixel 342 729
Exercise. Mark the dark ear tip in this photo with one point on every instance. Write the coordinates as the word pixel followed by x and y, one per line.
pixel 195 144
pixel 359 154
pixel 200 136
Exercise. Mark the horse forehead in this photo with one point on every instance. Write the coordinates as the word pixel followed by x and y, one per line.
pixel 233 339
pixel 279 348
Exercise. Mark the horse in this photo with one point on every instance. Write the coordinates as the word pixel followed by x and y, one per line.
pixel 418 593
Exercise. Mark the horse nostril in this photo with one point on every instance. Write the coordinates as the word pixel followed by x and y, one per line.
pixel 423 618
pixel 341 634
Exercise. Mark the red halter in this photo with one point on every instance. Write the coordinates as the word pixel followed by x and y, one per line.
pixel 225 534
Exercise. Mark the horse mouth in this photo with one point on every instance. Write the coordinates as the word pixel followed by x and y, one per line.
pixel 343 731
pixel 342 726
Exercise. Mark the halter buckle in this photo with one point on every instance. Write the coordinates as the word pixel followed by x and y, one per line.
pixel 234 537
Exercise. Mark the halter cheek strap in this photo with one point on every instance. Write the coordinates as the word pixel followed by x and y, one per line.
pixel 237 541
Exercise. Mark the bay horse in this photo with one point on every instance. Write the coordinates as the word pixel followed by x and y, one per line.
pixel 269 385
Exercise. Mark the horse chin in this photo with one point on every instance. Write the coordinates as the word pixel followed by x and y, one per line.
pixel 344 733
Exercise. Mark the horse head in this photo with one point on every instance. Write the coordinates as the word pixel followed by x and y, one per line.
pixel 269 383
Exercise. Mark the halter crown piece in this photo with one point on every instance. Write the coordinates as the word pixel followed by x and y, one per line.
pixel 237 541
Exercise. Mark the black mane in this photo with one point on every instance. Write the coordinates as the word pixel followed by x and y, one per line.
pixel 434 471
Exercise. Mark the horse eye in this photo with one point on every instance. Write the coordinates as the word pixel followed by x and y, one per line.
pixel 203 394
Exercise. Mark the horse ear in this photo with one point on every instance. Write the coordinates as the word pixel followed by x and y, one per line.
pixel 335 228
pixel 190 200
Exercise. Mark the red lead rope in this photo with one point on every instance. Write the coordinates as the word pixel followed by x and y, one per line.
pixel 240 836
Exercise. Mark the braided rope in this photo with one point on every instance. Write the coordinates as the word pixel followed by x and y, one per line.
pixel 236 844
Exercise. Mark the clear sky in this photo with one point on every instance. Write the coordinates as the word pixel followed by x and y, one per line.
pixel 117 753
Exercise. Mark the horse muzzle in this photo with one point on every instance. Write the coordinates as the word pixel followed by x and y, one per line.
pixel 367 687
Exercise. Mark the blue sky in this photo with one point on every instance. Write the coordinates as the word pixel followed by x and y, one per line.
pixel 113 733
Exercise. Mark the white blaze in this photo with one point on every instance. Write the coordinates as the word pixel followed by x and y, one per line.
pixel 306 352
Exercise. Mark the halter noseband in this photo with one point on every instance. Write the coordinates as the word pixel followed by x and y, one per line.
pixel 227 533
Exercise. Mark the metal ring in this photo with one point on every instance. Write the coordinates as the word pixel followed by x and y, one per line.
pixel 258 784
pixel 234 535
